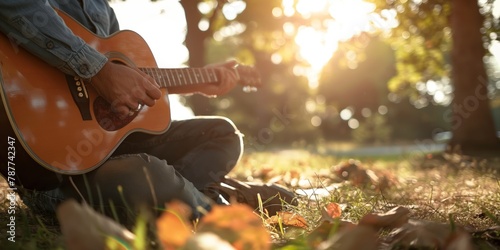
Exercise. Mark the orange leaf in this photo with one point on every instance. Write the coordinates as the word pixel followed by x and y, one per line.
pixel 264 173
pixel 236 216
pixel 295 174
pixel 238 225
pixel 174 228
pixel 288 219
pixel 332 210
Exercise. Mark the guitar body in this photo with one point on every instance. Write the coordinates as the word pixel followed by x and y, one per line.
pixel 52 128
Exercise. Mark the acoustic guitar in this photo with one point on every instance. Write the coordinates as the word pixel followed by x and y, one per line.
pixel 63 124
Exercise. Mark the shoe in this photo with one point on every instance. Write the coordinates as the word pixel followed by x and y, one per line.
pixel 274 197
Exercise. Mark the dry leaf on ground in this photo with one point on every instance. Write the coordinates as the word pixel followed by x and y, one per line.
pixel 174 227
pixel 396 217
pixel 359 175
pixel 331 211
pixel 238 225
pixel 427 235
pixel 352 238
pixel 353 171
pixel 287 219
pixel 459 241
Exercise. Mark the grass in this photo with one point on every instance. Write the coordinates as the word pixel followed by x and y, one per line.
pixel 449 189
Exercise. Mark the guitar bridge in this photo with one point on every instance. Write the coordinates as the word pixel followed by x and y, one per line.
pixel 80 96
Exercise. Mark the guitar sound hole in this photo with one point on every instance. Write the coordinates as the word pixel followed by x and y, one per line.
pixel 107 119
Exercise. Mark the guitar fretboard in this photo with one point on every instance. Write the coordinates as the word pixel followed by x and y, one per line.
pixel 182 76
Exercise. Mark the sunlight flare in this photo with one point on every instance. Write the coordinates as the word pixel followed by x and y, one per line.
pixel 333 22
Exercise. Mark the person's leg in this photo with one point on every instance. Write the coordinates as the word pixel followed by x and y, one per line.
pixel 203 149
pixel 126 184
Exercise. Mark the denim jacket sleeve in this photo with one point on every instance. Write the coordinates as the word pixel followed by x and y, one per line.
pixel 35 26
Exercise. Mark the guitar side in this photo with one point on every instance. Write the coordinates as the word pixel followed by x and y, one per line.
pixel 46 119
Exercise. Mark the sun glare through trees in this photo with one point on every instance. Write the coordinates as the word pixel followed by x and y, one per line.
pixel 335 21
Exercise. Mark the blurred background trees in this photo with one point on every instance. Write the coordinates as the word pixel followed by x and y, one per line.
pixel 443 44
pixel 372 71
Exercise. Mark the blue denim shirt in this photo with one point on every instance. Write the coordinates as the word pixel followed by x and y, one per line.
pixel 35 25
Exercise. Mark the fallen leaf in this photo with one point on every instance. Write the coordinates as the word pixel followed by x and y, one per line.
pixel 352 171
pixel 83 228
pixel 352 238
pixel 287 219
pixel 459 241
pixel 425 235
pixel 295 174
pixel 264 173
pixel 238 225
pixel 394 218
pixel 358 175
pixel 331 211
pixel 174 227
pixel 386 181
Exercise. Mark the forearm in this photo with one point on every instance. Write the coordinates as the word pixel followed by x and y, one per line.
pixel 35 26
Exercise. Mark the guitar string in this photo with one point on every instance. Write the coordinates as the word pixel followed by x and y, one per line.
pixel 177 77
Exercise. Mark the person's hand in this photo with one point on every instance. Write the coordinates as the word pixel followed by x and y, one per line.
pixel 125 88
pixel 228 79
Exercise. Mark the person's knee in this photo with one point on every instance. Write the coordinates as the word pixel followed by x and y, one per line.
pixel 225 125
pixel 228 130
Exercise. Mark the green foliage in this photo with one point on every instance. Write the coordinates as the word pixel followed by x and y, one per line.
pixel 422 41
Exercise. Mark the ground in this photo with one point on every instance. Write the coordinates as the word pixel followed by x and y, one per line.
pixel 441 190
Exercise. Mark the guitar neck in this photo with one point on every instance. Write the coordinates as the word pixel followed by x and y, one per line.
pixel 182 76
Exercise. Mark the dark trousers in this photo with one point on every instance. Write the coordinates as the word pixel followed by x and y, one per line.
pixel 150 170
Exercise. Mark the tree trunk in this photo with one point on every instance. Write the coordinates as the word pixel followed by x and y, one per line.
pixel 195 43
pixel 471 117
